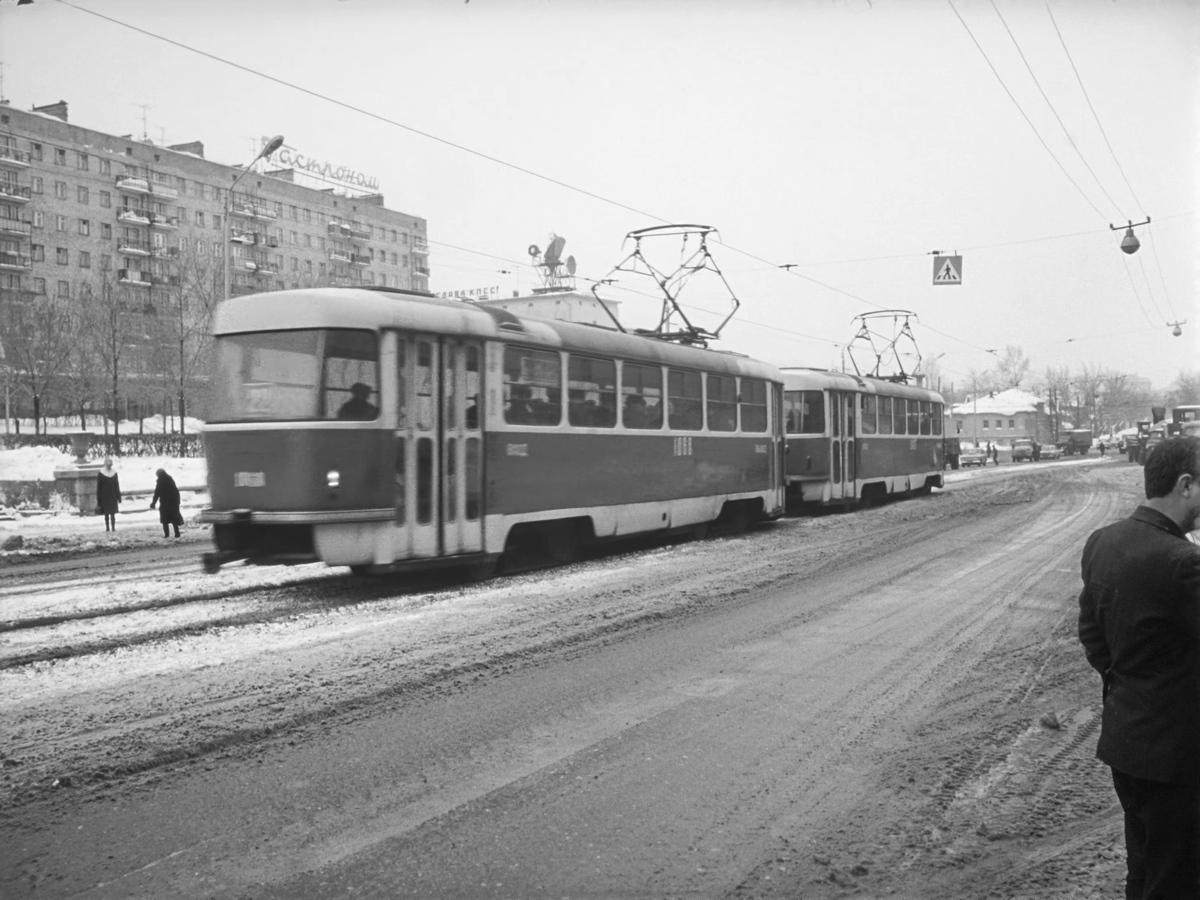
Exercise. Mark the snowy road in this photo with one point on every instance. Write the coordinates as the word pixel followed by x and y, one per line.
pixel 828 702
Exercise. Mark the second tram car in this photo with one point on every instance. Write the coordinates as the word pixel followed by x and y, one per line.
pixel 854 438
pixel 383 429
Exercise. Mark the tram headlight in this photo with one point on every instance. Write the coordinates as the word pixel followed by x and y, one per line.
pixel 333 478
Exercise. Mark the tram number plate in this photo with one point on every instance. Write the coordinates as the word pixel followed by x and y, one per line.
pixel 683 446
pixel 249 479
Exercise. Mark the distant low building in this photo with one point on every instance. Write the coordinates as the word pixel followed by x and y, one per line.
pixel 564 306
pixel 1001 417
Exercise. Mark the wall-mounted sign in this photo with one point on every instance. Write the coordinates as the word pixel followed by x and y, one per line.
pixel 482 293
pixel 289 157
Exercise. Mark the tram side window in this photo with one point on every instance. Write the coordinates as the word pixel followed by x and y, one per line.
pixel 899 416
pixel 641 396
pixel 926 417
pixel 753 402
pixel 351 363
pixel 914 417
pixel 870 415
pixel 591 392
pixel 685 403
pixel 722 403
pixel 423 384
pixel 532 387
pixel 884 405
pixel 938 414
pixel 472 391
pixel 804 412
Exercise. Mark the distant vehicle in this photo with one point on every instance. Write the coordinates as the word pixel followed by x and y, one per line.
pixel 1050 451
pixel 1022 450
pixel 952 452
pixel 972 456
pixel 1185 420
pixel 1079 440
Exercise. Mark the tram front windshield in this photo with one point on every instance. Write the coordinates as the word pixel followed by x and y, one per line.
pixel 306 374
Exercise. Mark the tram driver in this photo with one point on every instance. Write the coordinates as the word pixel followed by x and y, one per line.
pixel 358 407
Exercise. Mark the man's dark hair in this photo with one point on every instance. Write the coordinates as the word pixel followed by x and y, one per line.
pixel 1166 462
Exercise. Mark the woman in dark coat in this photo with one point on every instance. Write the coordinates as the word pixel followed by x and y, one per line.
pixel 166 495
pixel 108 494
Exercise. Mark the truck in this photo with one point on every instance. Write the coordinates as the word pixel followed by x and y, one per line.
pixel 1079 440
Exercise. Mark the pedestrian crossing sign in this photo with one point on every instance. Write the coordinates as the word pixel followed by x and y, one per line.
pixel 947 270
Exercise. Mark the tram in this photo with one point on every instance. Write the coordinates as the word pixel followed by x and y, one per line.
pixel 852 438
pixel 383 429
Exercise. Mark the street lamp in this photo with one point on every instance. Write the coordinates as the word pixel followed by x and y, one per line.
pixel 271 146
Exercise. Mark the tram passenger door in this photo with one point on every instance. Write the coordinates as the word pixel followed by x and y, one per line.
pixel 842 445
pixel 439 453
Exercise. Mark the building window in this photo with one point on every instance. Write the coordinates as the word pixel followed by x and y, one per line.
pixel 39 286
pixel 81 161
pixel 216 250
pixel 985 424
pixel 308 241
pixel 308 216
pixel 308 267
pixel 105 167
pixel 105 262
pixel 36 184
pixel 85 259
pixel 180 213
pixel 64 289
pixel 199 190
pixel 105 199
pixel 295 264
pixel 1011 425
pixel 81 194
pixel 294 238
pixel 295 213
pixel 395 259
pixel 60 223
pixel 199 218
pixel 181 185
pixel 85 291
pixel 37 253
pixel 321 244
pixel 199 248
pixel 61 256
pixel 60 157
pixel 216 222
pixel 35 151
pixel 60 190
pixel 39 220
pixel 105 231
pixel 85 226
pixel 321 269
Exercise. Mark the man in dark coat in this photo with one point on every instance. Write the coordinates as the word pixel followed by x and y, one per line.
pixel 166 495
pixel 1139 622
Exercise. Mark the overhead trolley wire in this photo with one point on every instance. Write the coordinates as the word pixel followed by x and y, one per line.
pixel 1070 139
pixel 1028 121
pixel 1095 115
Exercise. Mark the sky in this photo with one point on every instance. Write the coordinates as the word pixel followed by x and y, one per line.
pixel 832 144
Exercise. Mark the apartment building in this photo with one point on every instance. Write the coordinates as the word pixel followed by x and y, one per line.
pixel 80 208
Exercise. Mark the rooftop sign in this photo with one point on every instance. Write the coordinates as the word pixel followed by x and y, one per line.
pixel 344 174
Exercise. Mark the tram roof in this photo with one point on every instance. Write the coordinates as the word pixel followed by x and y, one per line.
pixel 374 309
pixel 799 379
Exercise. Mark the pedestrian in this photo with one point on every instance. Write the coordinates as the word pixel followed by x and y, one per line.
pixel 166 495
pixel 1102 449
pixel 1139 623
pixel 108 494
pixel 996 454
pixel 987 454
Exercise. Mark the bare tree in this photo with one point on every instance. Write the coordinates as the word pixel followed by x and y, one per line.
pixel 1011 368
pixel 37 335
pixel 118 338
pixel 1185 390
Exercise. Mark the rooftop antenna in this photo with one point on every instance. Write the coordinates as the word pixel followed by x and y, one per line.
pixel 673 323
pixel 145 108
pixel 557 274
pixel 882 345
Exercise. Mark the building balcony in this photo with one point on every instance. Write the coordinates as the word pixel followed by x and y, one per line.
pixel 420 247
pixel 163 279
pixel 164 252
pixel 266 240
pixel 19 261
pixel 133 184
pixel 265 269
pixel 13 158
pixel 133 215
pixel 247 264
pixel 133 276
pixel 360 259
pixel 160 221
pixel 240 290
pixel 347 229
pixel 343 280
pixel 18 227
pixel 14 193
pixel 133 248
pixel 340 256
pixel 241 237
pixel 160 188
pixel 421 270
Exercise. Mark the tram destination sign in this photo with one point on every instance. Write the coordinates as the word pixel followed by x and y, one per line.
pixel 292 158
pixel 480 293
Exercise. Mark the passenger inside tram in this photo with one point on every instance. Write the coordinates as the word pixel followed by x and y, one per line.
pixel 358 407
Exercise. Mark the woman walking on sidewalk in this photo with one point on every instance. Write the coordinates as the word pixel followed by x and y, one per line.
pixel 166 495
pixel 108 494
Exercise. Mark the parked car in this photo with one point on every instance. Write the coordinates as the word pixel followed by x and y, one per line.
pixel 1050 451
pixel 1022 449
pixel 972 456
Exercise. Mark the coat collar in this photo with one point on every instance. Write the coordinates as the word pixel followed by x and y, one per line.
pixel 1157 519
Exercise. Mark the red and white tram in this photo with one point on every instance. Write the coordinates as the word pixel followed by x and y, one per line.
pixel 852 438
pixel 384 429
